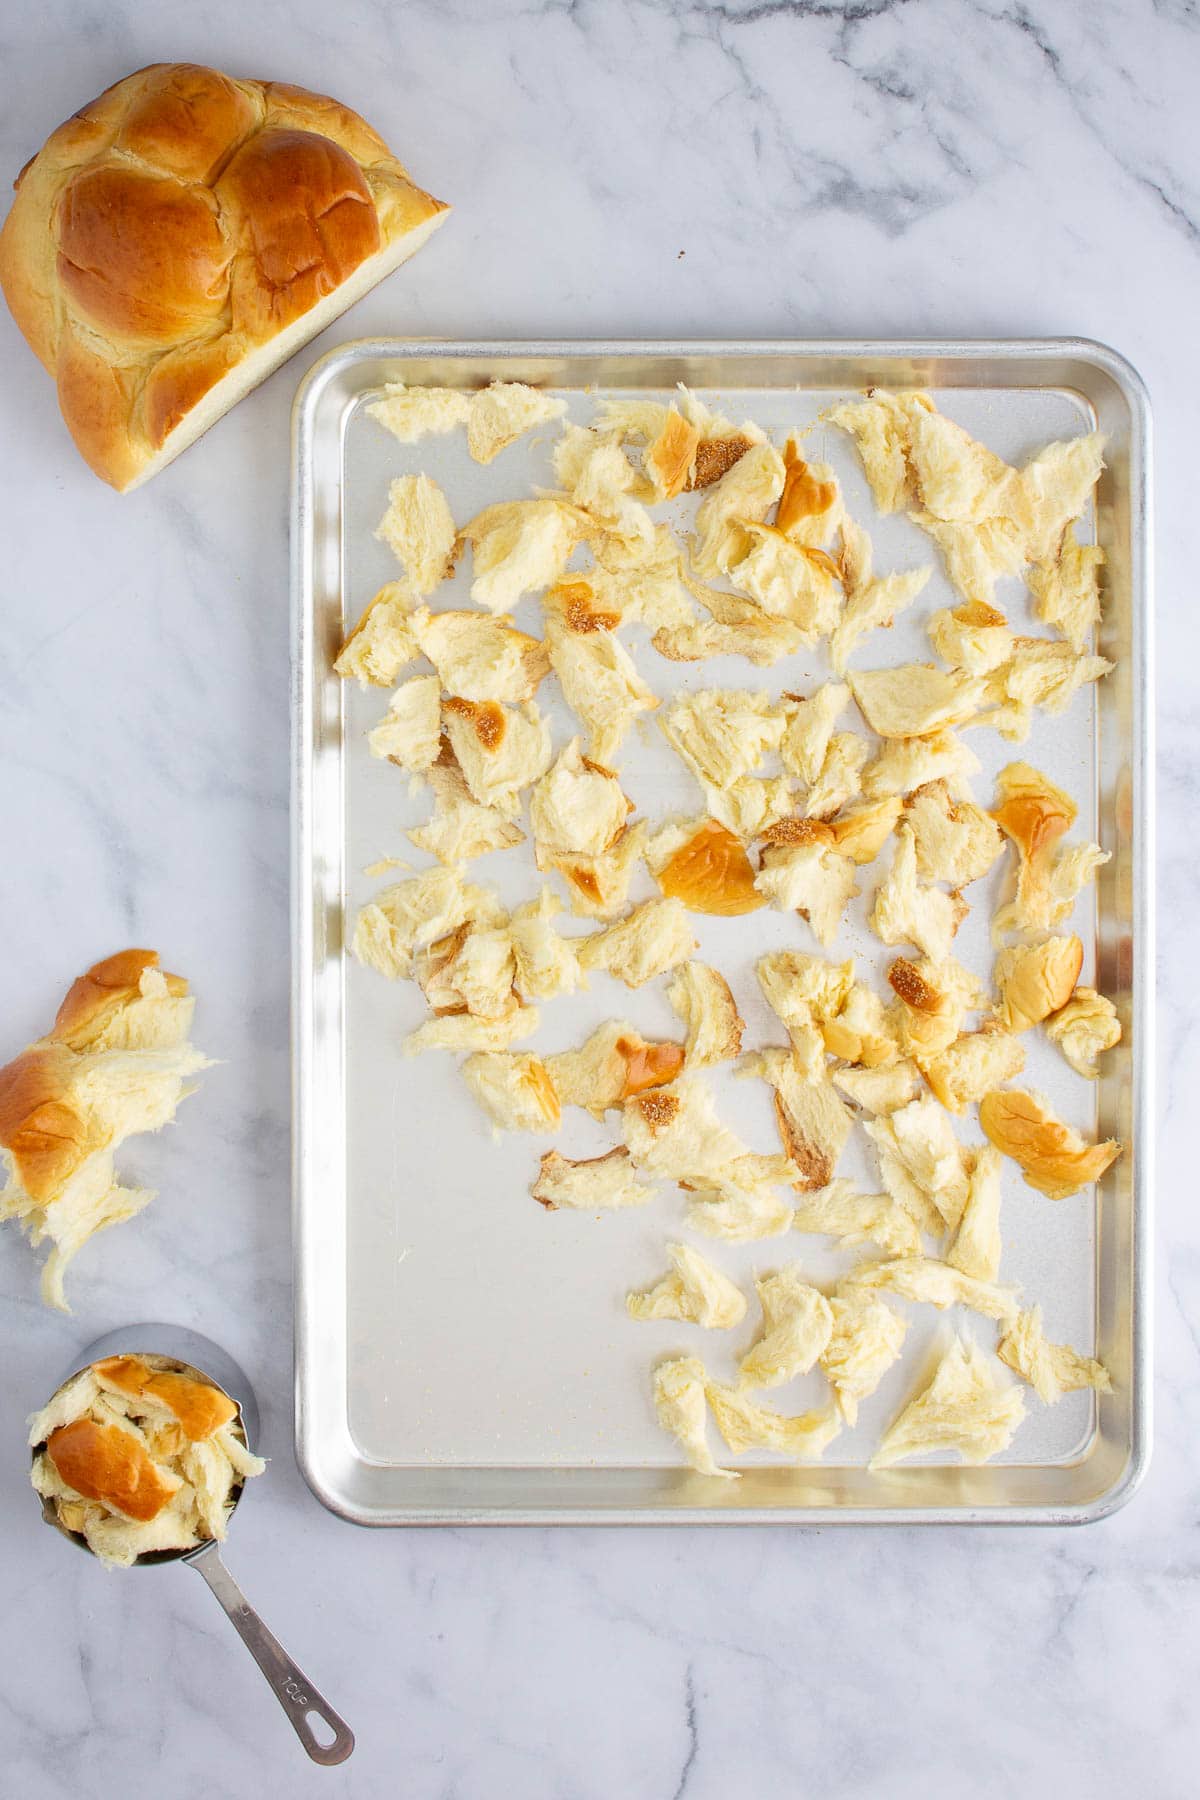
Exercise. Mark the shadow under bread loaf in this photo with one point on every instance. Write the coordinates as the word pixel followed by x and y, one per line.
pixel 181 236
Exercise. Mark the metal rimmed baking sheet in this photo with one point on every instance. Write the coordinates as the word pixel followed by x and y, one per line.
pixel 460 1354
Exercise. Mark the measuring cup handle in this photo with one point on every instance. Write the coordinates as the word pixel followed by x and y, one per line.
pixel 291 1687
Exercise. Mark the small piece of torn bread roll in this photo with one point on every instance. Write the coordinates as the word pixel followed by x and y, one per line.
pixel 883 1090
pixel 814 1122
pixel 674 1132
pixel 459 1032
pixel 1038 673
pixel 597 1184
pixel 681 1409
pixel 1051 1155
pixel 1051 1370
pixel 972 1065
pixel 963 1408
pixel 546 964
pixel 1066 592
pixel 670 455
pixel 701 997
pixel 744 494
pixel 922 1163
pixel 872 603
pixel 473 967
pixel 788 583
pixel 810 507
pixel 500 749
pixel 905 912
pixel 908 763
pixel 763 642
pixel 419 531
pixel 595 671
pixel 520 547
pixel 654 937
pixel 1084 1029
pixel 881 429
pixel 722 733
pixel 972 636
pixel 916 699
pixel 577 805
pixel 750 805
pixel 867 1338
pixel 840 1211
pixel 502 412
pixel 740 1209
pixel 809 727
pixel 411 413
pixel 977 1246
pixel 955 840
pixel 1035 813
pixel 935 998
pixel 840 779
pixel 802 990
pixel 802 1437
pixel 598 886
pixel 385 639
pixel 615 1063
pixel 807 877
pixel 410 732
pixel 514 1089
pixel 797 1323
pixel 703 864
pixel 413 913
pixel 482 658
pixel 1035 980
pixel 459 829
pixel 694 1292
pixel 1032 811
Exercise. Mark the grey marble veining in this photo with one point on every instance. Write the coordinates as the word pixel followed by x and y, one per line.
pixel 617 167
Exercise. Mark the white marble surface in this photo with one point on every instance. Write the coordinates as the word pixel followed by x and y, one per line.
pixel 617 168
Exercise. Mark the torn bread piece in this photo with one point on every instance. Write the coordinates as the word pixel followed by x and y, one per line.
pixel 1035 813
pixel 905 912
pixel 385 639
pixel 702 863
pixel 1066 592
pixel 867 1338
pixel 459 1032
pixel 810 879
pixel 641 583
pixel 1051 1370
pixel 972 1065
pixel 1051 1155
pixel 545 962
pixel 958 478
pixel 1039 673
pixel 881 1090
pixel 515 1090
pixel 796 1326
pixel 810 720
pixel 963 1408
pixel 1035 980
pixel 504 411
pixel 596 1184
pixel 803 991
pixel 1058 483
pixel 460 829
pixel 935 998
pixel 955 840
pixel 595 671
pixel 922 1163
pixel 722 733
pixel 972 636
pixel 521 547
pixel 745 494
pixel 861 831
pixel 763 642
pixel 694 1292
pixel 674 1132
pixel 417 912
pixel 840 1211
pixel 916 699
pixel 810 507
pixel 744 1425
pixel 472 968
pixel 410 732
pixel 654 937
pixel 976 556
pixel 840 779
pixel 872 602
pixel 788 582
pixel 977 1246
pixel 419 531
pixel 598 886
pixel 671 454
pixel 411 413
pixel 925 1280
pixel 740 1207
pixel 483 658
pixel 500 749
pixel 908 763
pixel 814 1122
pixel 681 1409
pixel 881 429
pixel 701 997
pixel 615 1063
pixel 1084 1029
pixel 577 805
pixel 750 805
pixel 117 1062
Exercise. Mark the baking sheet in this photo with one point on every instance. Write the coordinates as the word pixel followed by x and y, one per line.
pixel 461 1353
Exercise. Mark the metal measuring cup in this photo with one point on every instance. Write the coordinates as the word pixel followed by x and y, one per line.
pixel 191 1354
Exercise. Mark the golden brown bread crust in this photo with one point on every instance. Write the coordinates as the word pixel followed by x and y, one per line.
pixel 1052 1156
pixel 200 1408
pixel 711 873
pixel 104 1463
pixel 46 1136
pixel 92 999
pixel 173 227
